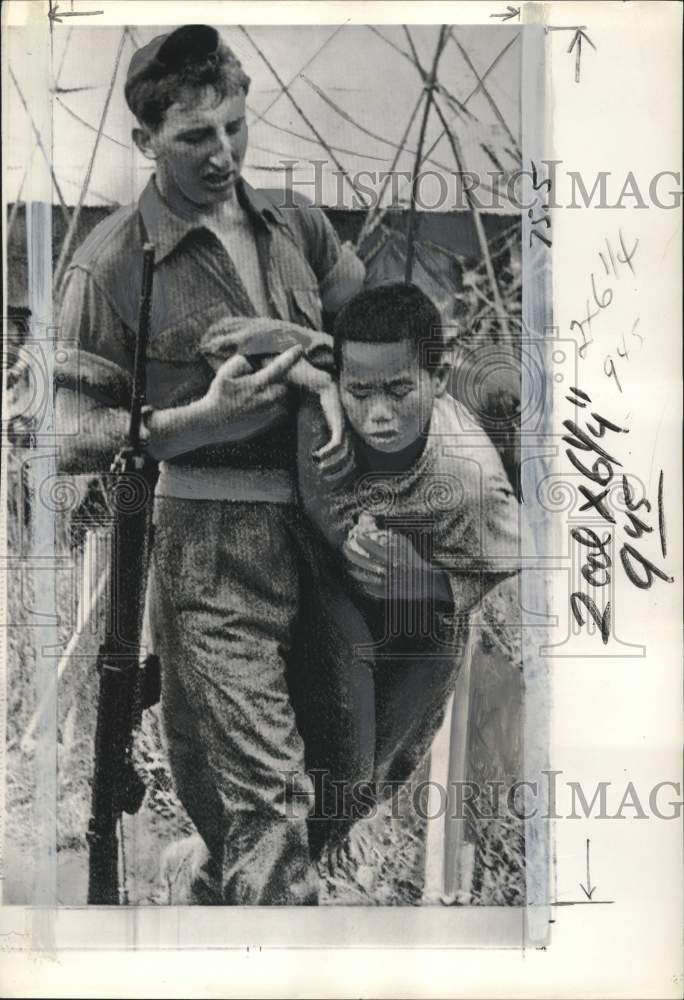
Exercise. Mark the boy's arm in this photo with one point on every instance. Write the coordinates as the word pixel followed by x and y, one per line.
pixel 398 572
pixel 94 389
pixel 325 484
pixel 303 375
pixel 257 339
pixel 477 547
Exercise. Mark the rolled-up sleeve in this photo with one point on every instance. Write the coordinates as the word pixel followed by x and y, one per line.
pixel 102 364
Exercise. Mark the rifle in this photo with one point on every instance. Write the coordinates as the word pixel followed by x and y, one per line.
pixel 126 687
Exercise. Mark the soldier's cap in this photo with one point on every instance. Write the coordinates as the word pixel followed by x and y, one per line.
pixel 168 53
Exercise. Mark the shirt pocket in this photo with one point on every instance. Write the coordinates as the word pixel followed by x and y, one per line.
pixel 176 370
pixel 305 307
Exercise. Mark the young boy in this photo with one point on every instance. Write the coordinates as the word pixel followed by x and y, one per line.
pixel 417 521
pixel 417 506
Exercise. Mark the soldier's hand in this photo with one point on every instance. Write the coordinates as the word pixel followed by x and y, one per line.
pixel 238 391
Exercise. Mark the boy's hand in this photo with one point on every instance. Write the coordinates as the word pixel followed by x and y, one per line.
pixel 396 570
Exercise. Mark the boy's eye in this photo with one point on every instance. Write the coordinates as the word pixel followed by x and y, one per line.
pixel 359 393
pixel 399 391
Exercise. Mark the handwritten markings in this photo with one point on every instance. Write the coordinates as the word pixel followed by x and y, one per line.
pixel 616 261
pixel 542 206
pixel 588 889
pixel 508 14
pixel 580 34
pixel 55 14
pixel 597 562
pixel 576 43
pixel 661 515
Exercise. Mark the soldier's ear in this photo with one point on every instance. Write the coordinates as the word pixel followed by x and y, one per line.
pixel 142 137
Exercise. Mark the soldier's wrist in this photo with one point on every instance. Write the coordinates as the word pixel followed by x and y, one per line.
pixel 175 430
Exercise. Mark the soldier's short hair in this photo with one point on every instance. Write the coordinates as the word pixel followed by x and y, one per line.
pixel 190 58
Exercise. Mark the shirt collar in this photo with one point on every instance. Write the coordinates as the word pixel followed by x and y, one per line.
pixel 166 228
pixel 257 203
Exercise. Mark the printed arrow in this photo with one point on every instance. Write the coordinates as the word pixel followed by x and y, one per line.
pixel 577 41
pixel 55 14
pixel 512 12
pixel 589 889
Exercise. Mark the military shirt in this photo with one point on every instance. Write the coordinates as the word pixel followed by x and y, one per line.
pixel 195 285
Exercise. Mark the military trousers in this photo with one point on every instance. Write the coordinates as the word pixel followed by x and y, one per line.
pixel 225 595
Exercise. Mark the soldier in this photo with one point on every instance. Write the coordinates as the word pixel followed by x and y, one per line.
pixel 228 577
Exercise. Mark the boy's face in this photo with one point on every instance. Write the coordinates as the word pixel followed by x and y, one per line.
pixel 199 147
pixel 386 394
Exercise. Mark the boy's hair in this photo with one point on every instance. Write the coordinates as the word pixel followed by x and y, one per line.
pixel 150 97
pixel 390 313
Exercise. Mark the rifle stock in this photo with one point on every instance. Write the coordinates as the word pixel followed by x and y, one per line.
pixel 116 787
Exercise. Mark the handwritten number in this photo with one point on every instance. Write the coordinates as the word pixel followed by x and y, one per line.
pixel 627 255
pixel 625 353
pixel 602 620
pixel 583 346
pixel 539 236
pixel 638 527
pixel 609 369
pixel 535 174
pixel 600 473
pixel 580 325
pixel 637 335
pixel 612 259
pixel 628 497
pixel 542 218
pixel 605 299
pixel 603 425
pixel 630 558
pixel 578 438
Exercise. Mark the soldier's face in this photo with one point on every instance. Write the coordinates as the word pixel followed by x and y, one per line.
pixel 200 147
pixel 387 395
